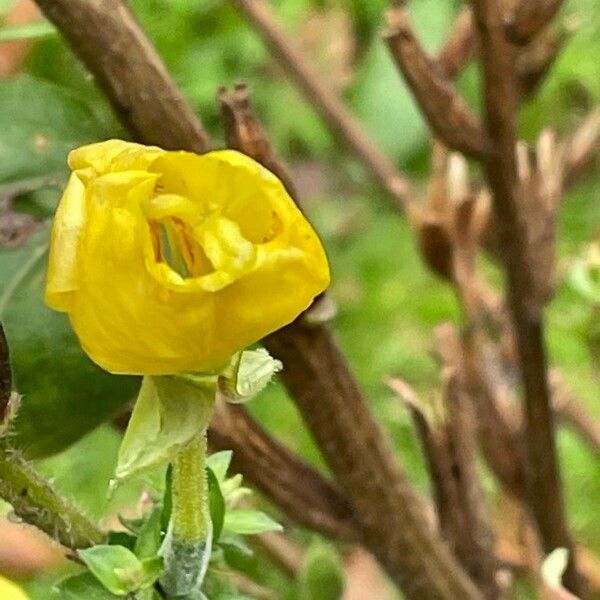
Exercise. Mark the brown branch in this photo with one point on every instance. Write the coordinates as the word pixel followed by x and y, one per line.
pixel 364 467
pixel 460 46
pixel 300 491
pixel 570 411
pixel 528 18
pixel 106 37
pixel 245 133
pixel 358 453
pixel 448 439
pixel 325 100
pixel 582 148
pixel 535 61
pixel 448 115
pixel 544 483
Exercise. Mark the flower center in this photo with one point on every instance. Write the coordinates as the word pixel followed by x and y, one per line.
pixel 174 244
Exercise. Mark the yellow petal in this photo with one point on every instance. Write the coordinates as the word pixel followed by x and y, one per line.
pixel 181 260
pixel 11 591
pixel 67 229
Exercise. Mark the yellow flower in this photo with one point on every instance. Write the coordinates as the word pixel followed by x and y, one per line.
pixel 170 262
pixel 11 591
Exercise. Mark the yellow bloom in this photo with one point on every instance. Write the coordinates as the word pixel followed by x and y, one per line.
pixel 168 262
pixel 11 591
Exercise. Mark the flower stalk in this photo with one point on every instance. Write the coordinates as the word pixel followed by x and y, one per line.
pixel 188 544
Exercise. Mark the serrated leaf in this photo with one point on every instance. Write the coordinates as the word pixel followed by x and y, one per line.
pixel 216 504
pixel 322 574
pixel 81 587
pixel 50 370
pixel 117 568
pixel 249 522
pixel 219 463
pixel 168 413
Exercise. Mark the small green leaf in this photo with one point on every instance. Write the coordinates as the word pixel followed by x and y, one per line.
pixel 216 504
pixel 122 538
pixel 247 376
pixel 149 536
pixel 27 31
pixel 168 413
pixel 81 587
pixel 116 567
pixel 249 522
pixel 322 575
pixel 219 463
pixel 152 568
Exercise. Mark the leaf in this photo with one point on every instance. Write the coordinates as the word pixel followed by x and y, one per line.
pixel 119 570
pixel 219 463
pixel 41 123
pixel 122 538
pixel 168 413
pixel 322 575
pixel 249 522
pixel 116 567
pixel 27 31
pixel 150 535
pixel 216 504
pixel 50 370
pixel 81 587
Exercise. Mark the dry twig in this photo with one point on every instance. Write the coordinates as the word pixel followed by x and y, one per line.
pixel 325 100
pixel 359 456
pixel 544 484
pixel 300 491
pixel 449 116
pixel 528 17
pixel 106 37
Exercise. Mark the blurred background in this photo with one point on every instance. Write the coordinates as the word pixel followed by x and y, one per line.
pixel 388 302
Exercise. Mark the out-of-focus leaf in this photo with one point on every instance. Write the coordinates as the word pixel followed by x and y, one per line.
pixel 40 123
pixel 322 575
pixel 26 31
pixel 81 587
pixel 249 522
pixel 219 463
pixel 65 394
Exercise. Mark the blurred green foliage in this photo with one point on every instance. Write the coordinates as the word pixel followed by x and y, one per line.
pixel 389 303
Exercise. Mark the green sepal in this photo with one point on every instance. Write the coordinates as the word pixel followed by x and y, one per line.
pixel 248 374
pixel 168 413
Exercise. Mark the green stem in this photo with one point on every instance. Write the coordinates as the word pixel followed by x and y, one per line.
pixel 187 546
pixel 36 502
pixel 191 518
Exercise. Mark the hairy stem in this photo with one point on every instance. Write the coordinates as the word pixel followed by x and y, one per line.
pixel 35 501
